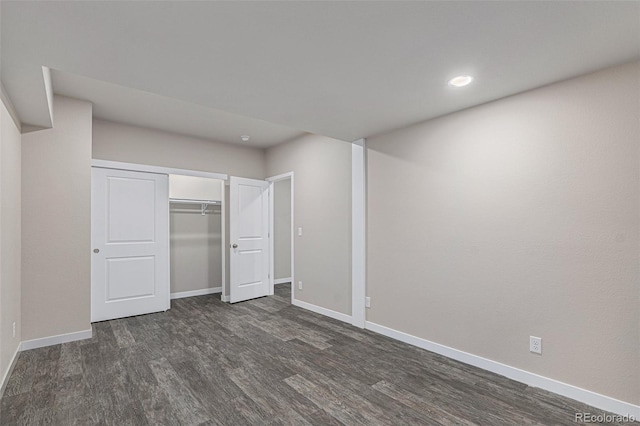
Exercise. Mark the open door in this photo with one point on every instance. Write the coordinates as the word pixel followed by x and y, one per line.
pixel 249 238
pixel 130 243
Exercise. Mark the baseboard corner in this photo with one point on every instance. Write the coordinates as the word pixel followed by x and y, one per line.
pixel 7 374
pixel 56 340
pixel 322 311
pixel 193 293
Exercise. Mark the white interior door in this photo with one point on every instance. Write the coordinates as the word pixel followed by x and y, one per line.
pixel 130 243
pixel 249 238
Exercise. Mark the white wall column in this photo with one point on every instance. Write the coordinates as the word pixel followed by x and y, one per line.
pixel 358 233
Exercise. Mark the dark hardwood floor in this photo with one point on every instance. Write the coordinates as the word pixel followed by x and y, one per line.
pixel 259 362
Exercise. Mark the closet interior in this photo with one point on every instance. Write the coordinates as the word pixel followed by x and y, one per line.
pixel 196 235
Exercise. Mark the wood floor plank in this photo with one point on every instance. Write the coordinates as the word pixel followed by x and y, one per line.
pixel 420 404
pixel 328 402
pixel 158 408
pixel 250 411
pixel 123 336
pixel 21 379
pixel 15 409
pixel 180 397
pixel 262 362
pixel 70 360
pixel 43 390
pixel 261 393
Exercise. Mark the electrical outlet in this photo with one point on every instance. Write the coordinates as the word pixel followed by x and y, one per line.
pixel 299 285
pixel 535 345
pixel 300 231
pixel 14 329
pixel 367 302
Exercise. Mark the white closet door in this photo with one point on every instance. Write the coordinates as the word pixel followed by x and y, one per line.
pixel 249 229
pixel 130 243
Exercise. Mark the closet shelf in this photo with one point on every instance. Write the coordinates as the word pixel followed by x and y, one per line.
pixel 187 201
pixel 203 203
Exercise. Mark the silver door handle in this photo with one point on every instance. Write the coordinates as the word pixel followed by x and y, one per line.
pixel 235 246
pixel 96 250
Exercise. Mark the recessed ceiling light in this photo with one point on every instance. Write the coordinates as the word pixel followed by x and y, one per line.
pixel 245 138
pixel 460 81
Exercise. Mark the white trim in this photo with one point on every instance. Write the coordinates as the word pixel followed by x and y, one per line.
pixel 225 298
pixel 48 90
pixel 283 280
pixel 107 164
pixel 56 340
pixel 531 379
pixel 168 290
pixel 358 234
pixel 282 176
pixel 272 239
pixel 273 281
pixel 7 374
pixel 192 293
pixel 322 311
pixel 223 240
pixel 293 240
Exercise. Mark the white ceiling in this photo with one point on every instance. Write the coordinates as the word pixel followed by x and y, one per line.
pixel 117 103
pixel 342 69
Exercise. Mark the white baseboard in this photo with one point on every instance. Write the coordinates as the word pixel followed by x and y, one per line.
pixel 192 293
pixel 56 340
pixel 282 281
pixel 7 374
pixel 588 397
pixel 225 298
pixel 323 311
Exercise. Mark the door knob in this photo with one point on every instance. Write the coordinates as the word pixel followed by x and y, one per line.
pixel 96 250
pixel 235 246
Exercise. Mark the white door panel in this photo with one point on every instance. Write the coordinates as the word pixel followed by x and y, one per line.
pixel 131 210
pixel 249 229
pixel 130 277
pixel 130 242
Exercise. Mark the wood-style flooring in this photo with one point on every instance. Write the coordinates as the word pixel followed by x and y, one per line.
pixel 260 362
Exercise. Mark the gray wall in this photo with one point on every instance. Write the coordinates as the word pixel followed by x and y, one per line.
pixel 517 218
pixel 10 244
pixel 282 229
pixel 56 223
pixel 132 144
pixel 322 202
pixel 196 250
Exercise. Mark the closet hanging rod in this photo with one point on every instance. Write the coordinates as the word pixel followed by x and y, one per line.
pixel 187 201
pixel 203 203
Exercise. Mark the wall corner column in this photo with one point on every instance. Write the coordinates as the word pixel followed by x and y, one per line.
pixel 358 233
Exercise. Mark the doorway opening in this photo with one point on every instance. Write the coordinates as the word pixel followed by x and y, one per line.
pixel 282 241
pixel 196 232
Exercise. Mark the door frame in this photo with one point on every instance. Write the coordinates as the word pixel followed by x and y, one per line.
pixel 108 164
pixel 272 180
